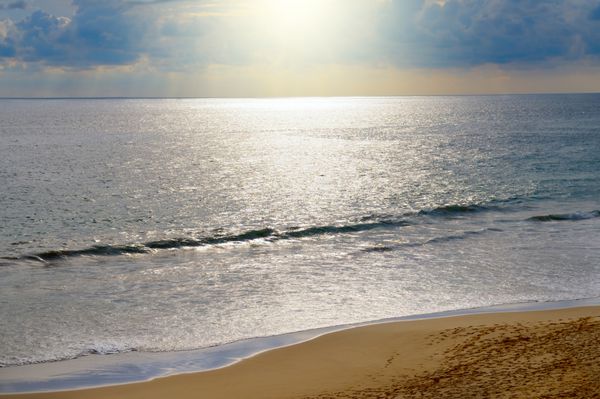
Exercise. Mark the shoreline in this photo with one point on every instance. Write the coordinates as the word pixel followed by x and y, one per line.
pixel 527 354
pixel 270 345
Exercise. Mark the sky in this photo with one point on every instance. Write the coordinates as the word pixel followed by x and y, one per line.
pixel 256 48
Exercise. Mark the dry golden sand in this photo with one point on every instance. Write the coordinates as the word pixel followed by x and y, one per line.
pixel 559 359
pixel 546 354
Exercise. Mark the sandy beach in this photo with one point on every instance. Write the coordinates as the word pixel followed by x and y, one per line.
pixel 541 354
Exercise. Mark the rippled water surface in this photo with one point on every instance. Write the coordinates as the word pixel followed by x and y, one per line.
pixel 159 225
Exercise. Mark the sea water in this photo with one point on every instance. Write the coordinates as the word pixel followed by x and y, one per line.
pixel 160 225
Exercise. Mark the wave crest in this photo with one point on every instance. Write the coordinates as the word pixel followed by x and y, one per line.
pixel 565 217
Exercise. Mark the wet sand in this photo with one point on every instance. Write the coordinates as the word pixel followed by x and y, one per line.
pixel 542 354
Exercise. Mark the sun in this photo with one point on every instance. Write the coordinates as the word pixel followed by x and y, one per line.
pixel 296 32
pixel 297 19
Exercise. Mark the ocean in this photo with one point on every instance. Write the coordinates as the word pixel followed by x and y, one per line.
pixel 167 225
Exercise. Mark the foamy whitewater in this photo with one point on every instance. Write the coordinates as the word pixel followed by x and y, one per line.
pixel 169 225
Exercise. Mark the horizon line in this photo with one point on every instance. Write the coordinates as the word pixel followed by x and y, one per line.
pixel 286 97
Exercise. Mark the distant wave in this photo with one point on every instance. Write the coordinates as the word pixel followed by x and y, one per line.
pixel 363 224
pixel 455 209
pixel 458 209
pixel 449 210
pixel 565 217
pixel 379 248
pixel 434 240
pixel 176 243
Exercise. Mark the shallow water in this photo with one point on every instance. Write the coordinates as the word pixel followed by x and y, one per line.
pixel 124 368
pixel 162 225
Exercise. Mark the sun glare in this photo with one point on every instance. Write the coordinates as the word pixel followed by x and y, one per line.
pixel 297 19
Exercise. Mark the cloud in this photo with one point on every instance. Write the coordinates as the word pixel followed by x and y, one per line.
pixel 173 35
pixel 99 33
pixel 14 5
pixel 106 32
pixel 476 32
pixel 40 36
pixel 7 44
pixel 595 14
